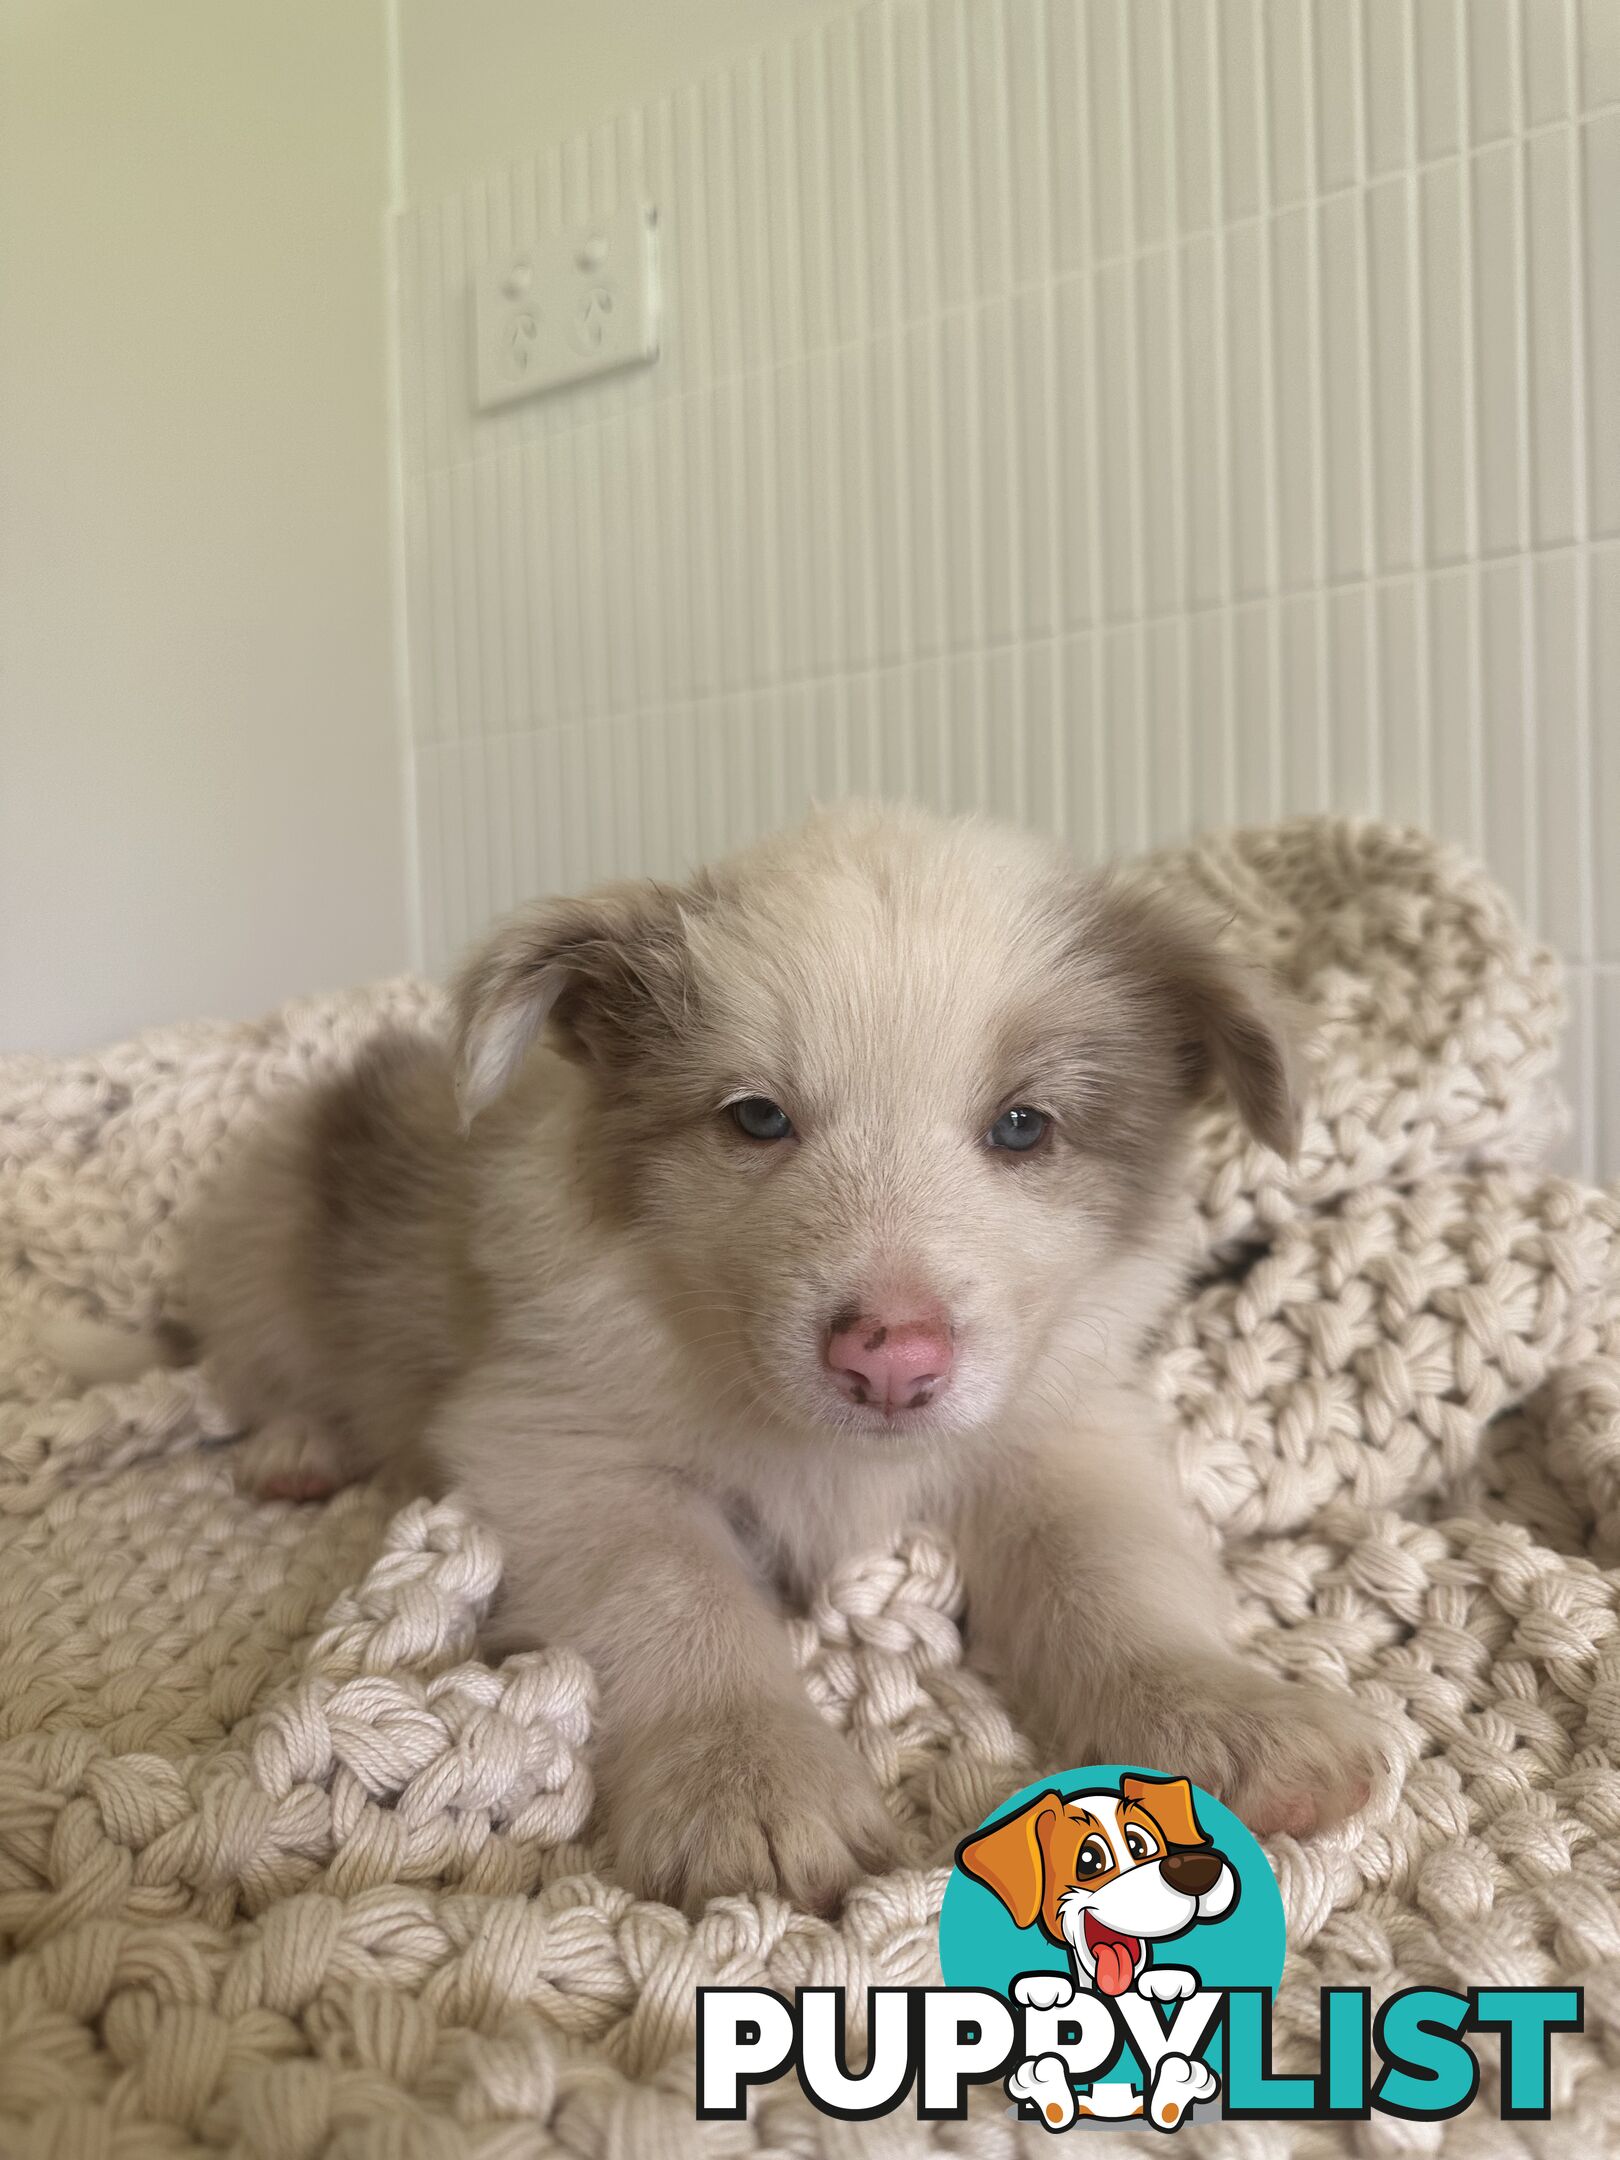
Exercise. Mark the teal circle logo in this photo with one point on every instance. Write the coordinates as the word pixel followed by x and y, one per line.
pixel 1115 1882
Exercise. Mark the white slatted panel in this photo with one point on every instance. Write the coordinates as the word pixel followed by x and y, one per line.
pixel 1130 415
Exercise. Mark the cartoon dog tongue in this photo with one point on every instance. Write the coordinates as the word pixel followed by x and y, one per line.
pixel 1116 1956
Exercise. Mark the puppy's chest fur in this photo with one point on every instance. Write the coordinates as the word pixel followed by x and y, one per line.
pixel 803 1510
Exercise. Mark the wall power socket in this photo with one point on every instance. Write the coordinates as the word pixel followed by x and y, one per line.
pixel 566 307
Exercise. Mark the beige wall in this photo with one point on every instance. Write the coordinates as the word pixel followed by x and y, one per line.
pixel 200 751
pixel 484 81
pixel 200 779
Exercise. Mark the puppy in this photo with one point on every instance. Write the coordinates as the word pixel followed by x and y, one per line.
pixel 742 1224
pixel 1106 1874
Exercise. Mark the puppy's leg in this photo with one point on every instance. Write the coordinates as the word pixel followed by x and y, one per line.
pixel 1109 1626
pixel 716 1772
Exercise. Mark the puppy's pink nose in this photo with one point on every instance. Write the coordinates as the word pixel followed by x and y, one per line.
pixel 891 1364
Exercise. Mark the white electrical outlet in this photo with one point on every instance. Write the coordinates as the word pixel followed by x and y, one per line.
pixel 567 307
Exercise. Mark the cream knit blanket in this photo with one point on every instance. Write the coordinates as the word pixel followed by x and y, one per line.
pixel 286 1871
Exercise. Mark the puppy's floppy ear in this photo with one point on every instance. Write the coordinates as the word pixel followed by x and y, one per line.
pixel 600 970
pixel 1008 1859
pixel 1170 1802
pixel 1220 1016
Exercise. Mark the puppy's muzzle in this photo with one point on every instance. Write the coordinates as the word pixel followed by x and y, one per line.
pixel 1192 1873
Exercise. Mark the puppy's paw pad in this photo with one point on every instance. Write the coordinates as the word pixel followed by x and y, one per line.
pixel 289 1459
pixel 1043 1991
pixel 1178 2084
pixel 1042 2083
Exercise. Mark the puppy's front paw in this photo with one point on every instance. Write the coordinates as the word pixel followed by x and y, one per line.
pixel 774 1800
pixel 1308 1758
pixel 290 1459
pixel 1284 1757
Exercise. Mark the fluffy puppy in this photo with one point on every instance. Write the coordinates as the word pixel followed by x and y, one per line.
pixel 743 1224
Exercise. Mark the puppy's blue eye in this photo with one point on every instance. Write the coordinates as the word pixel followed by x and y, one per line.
pixel 1019 1129
pixel 761 1119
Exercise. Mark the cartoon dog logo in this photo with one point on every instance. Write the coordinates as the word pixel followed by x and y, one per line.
pixel 1108 1875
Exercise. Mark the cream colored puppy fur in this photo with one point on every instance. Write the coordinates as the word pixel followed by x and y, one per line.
pixel 551 1261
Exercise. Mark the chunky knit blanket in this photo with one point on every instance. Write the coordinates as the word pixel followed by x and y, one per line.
pixel 287 1871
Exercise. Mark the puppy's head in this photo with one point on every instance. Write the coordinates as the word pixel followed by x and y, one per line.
pixel 893 1103
pixel 1106 1873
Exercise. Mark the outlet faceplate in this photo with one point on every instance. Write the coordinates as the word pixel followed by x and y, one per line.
pixel 566 307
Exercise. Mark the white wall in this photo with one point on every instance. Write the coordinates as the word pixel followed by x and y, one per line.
pixel 200 787
pixel 1136 415
pixel 1130 413
pixel 483 81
